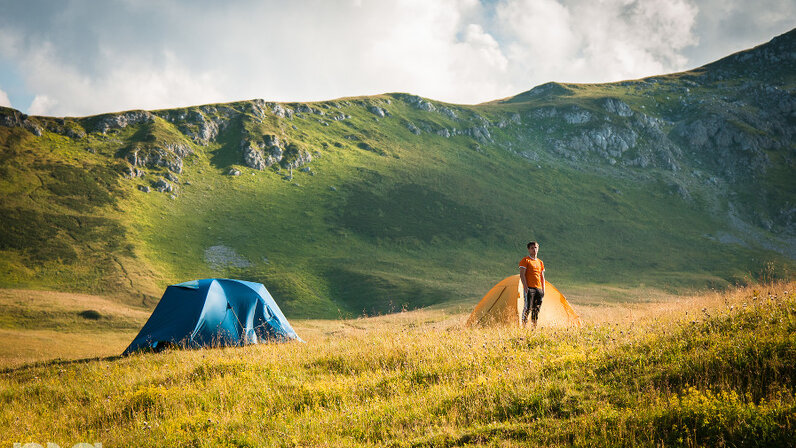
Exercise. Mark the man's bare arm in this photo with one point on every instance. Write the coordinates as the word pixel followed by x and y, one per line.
pixel 542 282
pixel 522 277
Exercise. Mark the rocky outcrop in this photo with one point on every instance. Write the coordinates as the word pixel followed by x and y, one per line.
pixel 252 155
pixel 448 112
pixel 163 186
pixel 105 123
pixel 480 133
pixel 606 142
pixel 168 155
pixel 419 103
pixel 201 129
pixel 378 111
pixel 262 152
pixel 280 111
pixel 293 157
pixel 727 145
pixel 202 125
pixel 618 107
pixel 132 172
pixel 576 115
pixel 12 118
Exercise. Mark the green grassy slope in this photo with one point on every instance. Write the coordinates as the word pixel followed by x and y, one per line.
pixel 711 370
pixel 406 202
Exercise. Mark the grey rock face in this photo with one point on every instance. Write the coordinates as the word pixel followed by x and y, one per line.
pixel 412 128
pixel 133 172
pixel 14 118
pixel 163 186
pixel 419 103
pixel 262 153
pixel 378 111
pixel 270 150
pixel 144 188
pixel 233 172
pixel 544 112
pixel 618 107
pixel 448 112
pixel 168 155
pixel 280 111
pixel 11 118
pixel 737 153
pixel 294 157
pixel 121 121
pixel 252 156
pixel 577 116
pixel 480 133
pixel 201 128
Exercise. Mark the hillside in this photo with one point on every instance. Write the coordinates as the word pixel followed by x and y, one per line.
pixel 710 370
pixel 371 204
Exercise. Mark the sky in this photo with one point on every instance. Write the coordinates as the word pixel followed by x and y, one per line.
pixel 84 57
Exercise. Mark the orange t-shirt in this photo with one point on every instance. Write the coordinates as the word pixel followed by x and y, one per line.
pixel 533 272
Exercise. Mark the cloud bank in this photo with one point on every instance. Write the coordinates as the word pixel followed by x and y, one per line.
pixel 79 57
pixel 4 101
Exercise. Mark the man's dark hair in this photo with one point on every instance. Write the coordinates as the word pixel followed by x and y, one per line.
pixel 532 243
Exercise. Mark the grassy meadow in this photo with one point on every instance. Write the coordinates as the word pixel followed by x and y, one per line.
pixel 377 249
pixel 382 218
pixel 715 369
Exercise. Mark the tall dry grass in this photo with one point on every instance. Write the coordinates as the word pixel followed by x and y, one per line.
pixel 715 369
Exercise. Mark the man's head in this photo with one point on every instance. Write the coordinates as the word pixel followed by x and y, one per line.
pixel 533 249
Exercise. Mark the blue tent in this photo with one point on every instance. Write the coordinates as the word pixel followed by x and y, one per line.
pixel 213 312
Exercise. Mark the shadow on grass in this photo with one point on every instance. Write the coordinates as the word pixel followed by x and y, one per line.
pixel 58 362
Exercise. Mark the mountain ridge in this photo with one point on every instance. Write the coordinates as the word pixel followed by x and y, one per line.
pixel 412 182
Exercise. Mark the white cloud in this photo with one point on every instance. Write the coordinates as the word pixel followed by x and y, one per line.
pixel 42 105
pixel 587 41
pixel 86 58
pixel 4 101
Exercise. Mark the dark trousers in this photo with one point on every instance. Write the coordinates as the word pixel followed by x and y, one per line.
pixel 533 301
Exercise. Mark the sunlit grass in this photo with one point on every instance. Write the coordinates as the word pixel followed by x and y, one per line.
pixel 707 370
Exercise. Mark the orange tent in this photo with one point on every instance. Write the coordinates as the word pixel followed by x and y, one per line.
pixel 503 305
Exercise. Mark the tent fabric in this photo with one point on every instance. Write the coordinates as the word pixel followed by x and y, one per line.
pixel 214 312
pixel 503 305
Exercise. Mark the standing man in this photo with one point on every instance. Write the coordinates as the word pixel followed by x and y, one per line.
pixel 532 276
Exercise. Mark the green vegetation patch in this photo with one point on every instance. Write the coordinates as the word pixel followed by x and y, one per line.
pixel 410 211
pixel 672 378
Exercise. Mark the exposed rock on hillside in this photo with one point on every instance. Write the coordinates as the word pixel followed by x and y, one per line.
pixel 13 118
pixel 169 155
pixel 618 107
pixel 262 152
pixel 163 186
pixel 418 102
pixel 105 123
pixel 378 111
